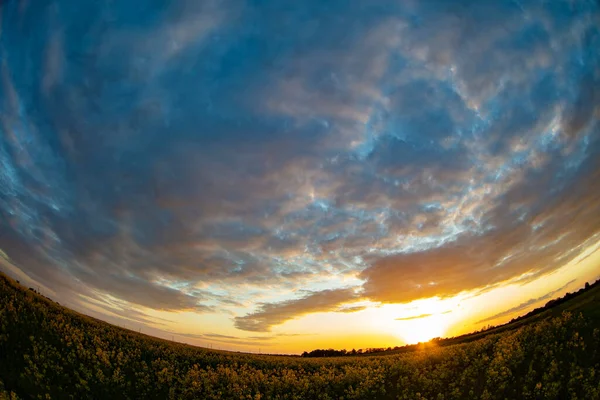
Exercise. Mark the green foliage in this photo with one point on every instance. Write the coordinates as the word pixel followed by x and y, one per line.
pixel 47 351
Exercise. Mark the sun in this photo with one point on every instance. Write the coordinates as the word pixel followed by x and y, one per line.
pixel 423 329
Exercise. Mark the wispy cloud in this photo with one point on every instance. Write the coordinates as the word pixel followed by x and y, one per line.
pixel 351 309
pixel 421 316
pixel 525 305
pixel 268 340
pixel 414 317
pixel 271 314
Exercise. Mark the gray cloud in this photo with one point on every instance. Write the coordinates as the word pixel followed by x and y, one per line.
pixel 123 312
pixel 351 309
pixel 239 340
pixel 271 314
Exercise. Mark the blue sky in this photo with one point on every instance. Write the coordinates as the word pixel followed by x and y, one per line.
pixel 265 160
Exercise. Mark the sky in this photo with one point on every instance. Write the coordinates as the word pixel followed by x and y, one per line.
pixel 281 176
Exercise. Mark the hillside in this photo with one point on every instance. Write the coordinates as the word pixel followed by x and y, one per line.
pixel 48 351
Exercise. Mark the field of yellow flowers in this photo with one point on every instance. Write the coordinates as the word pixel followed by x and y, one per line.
pixel 50 352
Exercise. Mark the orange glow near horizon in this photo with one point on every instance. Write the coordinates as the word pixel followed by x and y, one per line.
pixel 376 326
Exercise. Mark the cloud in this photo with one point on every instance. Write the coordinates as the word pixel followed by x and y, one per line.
pixel 53 66
pixel 271 314
pixel 582 110
pixel 514 245
pixel 351 309
pixel 421 316
pixel 239 340
pixel 414 317
pixel 119 309
pixel 526 304
pixel 4 255
pixel 215 156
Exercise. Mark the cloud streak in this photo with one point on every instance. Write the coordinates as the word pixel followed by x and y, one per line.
pixel 421 316
pixel 525 305
pixel 271 314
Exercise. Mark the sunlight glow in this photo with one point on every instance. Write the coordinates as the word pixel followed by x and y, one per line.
pixel 423 329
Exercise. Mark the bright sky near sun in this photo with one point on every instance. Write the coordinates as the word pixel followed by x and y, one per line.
pixel 286 176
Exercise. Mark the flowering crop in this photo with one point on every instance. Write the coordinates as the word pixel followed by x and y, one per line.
pixel 47 351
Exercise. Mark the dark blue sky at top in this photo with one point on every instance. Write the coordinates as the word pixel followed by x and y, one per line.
pixel 172 153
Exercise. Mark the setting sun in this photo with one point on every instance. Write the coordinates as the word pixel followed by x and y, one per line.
pixel 423 329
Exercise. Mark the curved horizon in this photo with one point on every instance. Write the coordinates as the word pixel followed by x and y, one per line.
pixel 177 338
